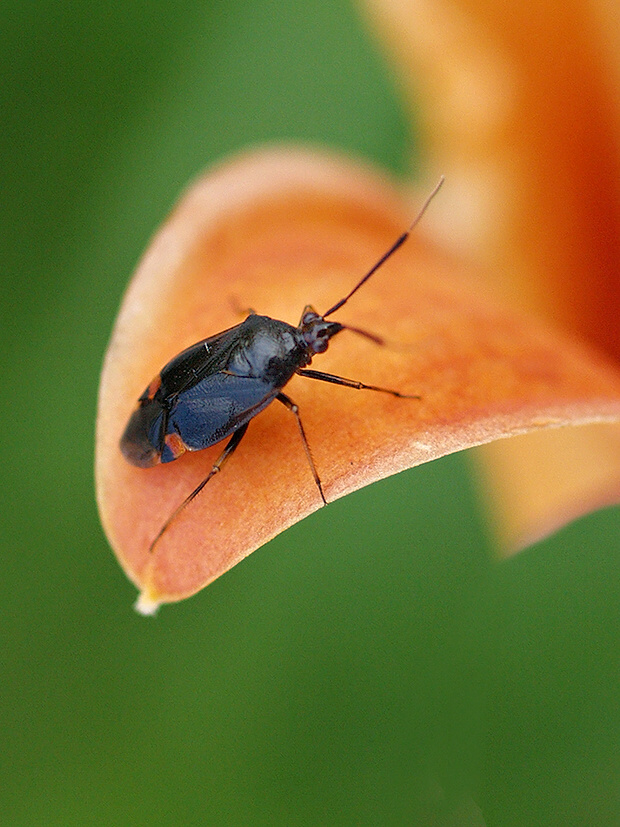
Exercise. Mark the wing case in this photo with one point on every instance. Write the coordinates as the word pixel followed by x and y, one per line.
pixel 211 389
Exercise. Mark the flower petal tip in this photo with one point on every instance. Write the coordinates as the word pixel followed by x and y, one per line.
pixel 146 606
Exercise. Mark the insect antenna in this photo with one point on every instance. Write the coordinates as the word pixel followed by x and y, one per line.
pixel 398 243
pixel 378 340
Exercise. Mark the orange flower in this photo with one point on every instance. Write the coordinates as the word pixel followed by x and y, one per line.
pixel 278 229
pixel 521 111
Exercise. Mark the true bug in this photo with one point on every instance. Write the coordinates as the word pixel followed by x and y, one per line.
pixel 214 388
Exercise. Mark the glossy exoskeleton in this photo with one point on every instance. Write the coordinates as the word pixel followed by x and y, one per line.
pixel 213 389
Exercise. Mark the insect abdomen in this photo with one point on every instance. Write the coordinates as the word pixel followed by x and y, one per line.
pixel 142 441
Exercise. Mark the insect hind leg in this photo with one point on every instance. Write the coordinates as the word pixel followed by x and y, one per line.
pixel 351 383
pixel 231 445
pixel 284 399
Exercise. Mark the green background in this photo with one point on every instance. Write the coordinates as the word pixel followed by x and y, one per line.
pixel 373 665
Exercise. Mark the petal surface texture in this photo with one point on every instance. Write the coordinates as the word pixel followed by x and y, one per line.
pixel 274 231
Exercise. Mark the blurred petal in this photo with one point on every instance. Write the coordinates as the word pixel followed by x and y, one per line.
pixel 562 481
pixel 520 105
pixel 274 231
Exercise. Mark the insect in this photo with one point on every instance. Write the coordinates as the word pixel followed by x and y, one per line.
pixel 213 389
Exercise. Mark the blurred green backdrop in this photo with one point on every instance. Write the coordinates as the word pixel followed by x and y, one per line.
pixel 389 673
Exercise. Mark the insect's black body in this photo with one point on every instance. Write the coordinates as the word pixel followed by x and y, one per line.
pixel 219 384
pixel 214 388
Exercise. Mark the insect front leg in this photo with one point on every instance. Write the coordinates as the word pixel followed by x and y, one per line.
pixel 284 399
pixel 351 383
pixel 231 445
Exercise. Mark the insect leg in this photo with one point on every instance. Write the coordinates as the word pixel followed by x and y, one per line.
pixel 351 383
pixel 217 466
pixel 281 397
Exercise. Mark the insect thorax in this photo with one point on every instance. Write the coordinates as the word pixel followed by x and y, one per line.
pixel 269 349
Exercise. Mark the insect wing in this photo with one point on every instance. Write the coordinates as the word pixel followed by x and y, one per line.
pixel 144 440
pixel 213 408
pixel 196 362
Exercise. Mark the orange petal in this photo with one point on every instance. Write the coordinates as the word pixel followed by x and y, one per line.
pixel 274 231
pixel 539 482
pixel 520 112
pixel 520 107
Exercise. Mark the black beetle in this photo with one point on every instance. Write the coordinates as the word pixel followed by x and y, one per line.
pixel 215 387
